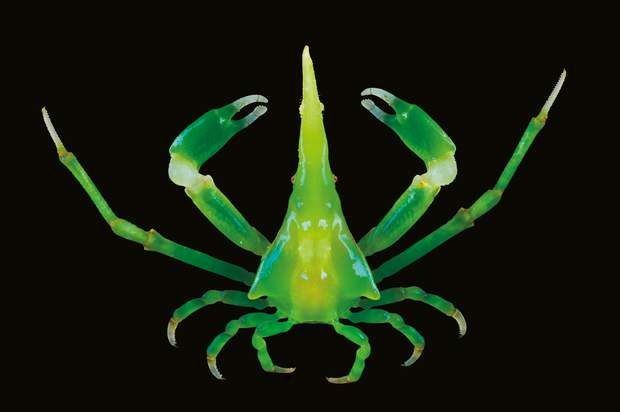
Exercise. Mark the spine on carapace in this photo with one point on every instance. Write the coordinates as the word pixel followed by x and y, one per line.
pixel 313 150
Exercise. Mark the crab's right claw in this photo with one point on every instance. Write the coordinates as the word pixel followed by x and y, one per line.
pixel 193 147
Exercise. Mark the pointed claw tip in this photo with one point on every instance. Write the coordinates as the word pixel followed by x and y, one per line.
pixel 375 110
pixel 368 104
pixel 366 92
pixel 261 99
pixel 255 114
pixel 384 95
pixel 249 99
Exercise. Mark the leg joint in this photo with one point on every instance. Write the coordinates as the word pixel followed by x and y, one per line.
pixel 258 342
pixel 364 350
pixel 213 296
pixel 65 156
pixel 128 230
pixel 151 238
pixel 464 218
pixel 232 327
pixel 413 292
pixel 396 320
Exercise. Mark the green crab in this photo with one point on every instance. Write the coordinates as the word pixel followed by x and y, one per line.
pixel 314 271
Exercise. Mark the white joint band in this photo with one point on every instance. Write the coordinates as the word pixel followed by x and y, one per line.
pixel 441 171
pixel 183 172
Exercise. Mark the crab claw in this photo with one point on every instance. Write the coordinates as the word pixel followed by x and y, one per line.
pixel 420 133
pixel 394 102
pixel 258 111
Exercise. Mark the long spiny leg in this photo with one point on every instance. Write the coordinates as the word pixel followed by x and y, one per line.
pixel 397 322
pixel 251 320
pixel 426 139
pixel 358 337
pixel 465 218
pixel 151 240
pixel 416 294
pixel 264 330
pixel 230 297
pixel 193 147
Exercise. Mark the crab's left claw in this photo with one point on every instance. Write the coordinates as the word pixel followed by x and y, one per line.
pixel 239 104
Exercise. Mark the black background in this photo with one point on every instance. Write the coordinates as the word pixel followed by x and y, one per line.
pixel 120 84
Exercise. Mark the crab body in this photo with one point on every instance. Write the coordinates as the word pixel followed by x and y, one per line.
pixel 314 270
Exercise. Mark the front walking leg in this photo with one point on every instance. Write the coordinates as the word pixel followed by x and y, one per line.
pixel 151 240
pixel 251 320
pixel 465 218
pixel 414 293
pixel 193 147
pixel 424 137
pixel 397 322
pixel 230 297
pixel 358 337
pixel 263 331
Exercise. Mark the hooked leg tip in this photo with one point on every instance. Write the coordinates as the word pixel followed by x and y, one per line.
pixel 460 319
pixel 417 352
pixel 340 380
pixel 172 326
pixel 212 362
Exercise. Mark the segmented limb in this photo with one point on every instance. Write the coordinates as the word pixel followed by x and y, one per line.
pixel 358 337
pixel 151 240
pixel 251 320
pixel 427 140
pixel 416 294
pixel 230 297
pixel 263 331
pixel 193 147
pixel 465 218
pixel 397 322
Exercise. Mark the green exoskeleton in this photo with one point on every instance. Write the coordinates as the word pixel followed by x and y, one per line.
pixel 314 270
